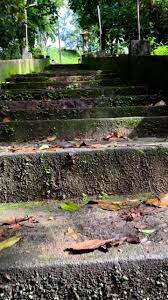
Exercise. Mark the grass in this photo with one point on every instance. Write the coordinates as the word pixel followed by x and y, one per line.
pixel 67 57
pixel 161 50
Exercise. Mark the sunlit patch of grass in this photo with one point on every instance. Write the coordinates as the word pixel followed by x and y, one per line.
pixel 67 57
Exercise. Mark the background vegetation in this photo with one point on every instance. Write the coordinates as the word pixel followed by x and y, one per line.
pixel 119 25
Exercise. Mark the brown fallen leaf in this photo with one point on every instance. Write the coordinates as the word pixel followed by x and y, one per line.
pixel 9 222
pixel 16 221
pixel 113 136
pixel 53 149
pixel 19 150
pixel 113 205
pixel 106 205
pixel 15 227
pixel 2 232
pixel 89 245
pixel 33 220
pixel 95 146
pixel 7 119
pixel 133 239
pixel 161 201
pixel 22 219
pixel 51 138
pixel 71 232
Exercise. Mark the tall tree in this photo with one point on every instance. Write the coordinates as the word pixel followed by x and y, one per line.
pixel 119 18
pixel 41 18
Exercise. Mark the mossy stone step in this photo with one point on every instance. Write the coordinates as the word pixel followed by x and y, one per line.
pixel 74 93
pixel 66 78
pixel 12 101
pixel 68 73
pixel 67 67
pixel 18 113
pixel 69 173
pixel 83 128
pixel 62 84
pixel 39 268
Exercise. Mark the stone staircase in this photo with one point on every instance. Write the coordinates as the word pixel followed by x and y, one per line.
pixel 73 110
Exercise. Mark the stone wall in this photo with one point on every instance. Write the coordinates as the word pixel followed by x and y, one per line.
pixel 151 70
pixel 21 66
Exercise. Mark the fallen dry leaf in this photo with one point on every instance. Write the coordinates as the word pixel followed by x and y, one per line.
pixel 133 239
pixel 71 232
pixel 161 201
pixel 2 232
pixel 113 205
pixel 9 242
pixel 18 150
pixel 9 222
pixel 95 146
pixel 15 227
pixel 113 136
pixel 53 149
pixel 7 119
pixel 22 219
pixel 106 205
pixel 17 220
pixel 89 245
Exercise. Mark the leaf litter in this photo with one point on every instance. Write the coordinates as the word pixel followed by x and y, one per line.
pixel 14 225
pixel 133 211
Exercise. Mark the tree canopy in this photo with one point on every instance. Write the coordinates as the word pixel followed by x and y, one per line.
pixel 41 19
pixel 119 19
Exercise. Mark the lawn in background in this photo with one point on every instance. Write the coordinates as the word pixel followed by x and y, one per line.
pixel 68 57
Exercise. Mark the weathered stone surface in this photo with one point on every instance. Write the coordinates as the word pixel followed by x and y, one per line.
pixel 139 48
pixel 38 267
pixel 50 111
pixel 83 128
pixel 131 170
pixel 73 93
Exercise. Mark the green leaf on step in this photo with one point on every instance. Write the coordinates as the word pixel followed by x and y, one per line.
pixel 44 147
pixel 69 206
pixel 9 242
pixel 147 231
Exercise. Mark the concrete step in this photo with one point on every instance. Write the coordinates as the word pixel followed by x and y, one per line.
pixel 41 102
pixel 67 73
pixel 39 268
pixel 117 167
pixel 61 77
pixel 67 67
pixel 19 112
pixel 83 128
pixel 62 84
pixel 74 93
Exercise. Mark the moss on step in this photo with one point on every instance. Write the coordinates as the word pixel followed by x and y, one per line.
pixel 118 171
pixel 83 128
pixel 72 93
pixel 96 112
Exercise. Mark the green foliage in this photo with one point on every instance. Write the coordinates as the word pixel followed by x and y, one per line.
pixel 41 20
pixel 69 206
pixel 119 20
pixel 161 50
